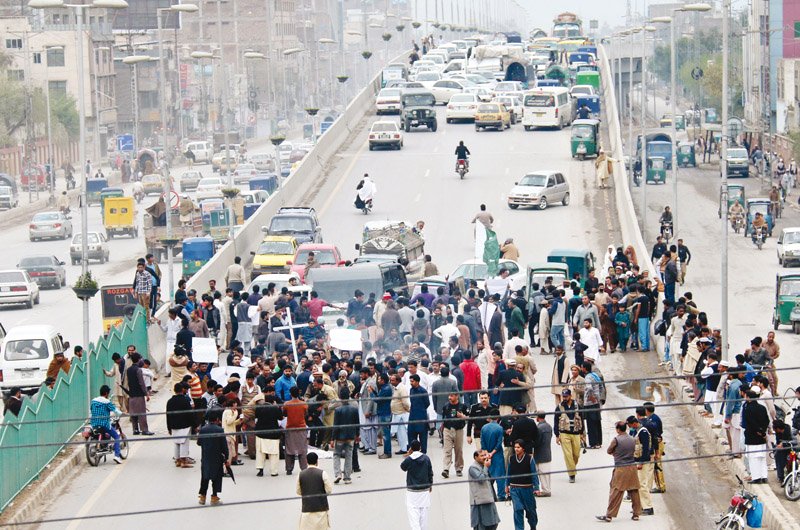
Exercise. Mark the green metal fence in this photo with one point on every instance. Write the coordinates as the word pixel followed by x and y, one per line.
pixel 32 440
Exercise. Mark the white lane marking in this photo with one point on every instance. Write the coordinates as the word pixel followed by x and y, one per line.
pixel 508 170
pixel 418 197
pixel 339 184
pixel 436 149
pixel 427 173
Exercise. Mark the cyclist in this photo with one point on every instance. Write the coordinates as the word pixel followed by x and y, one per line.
pixel 462 153
pixel 101 410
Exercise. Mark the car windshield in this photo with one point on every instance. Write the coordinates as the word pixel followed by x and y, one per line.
pixel 38 261
pixel 737 153
pixel 49 216
pixel 246 167
pixel 582 90
pixel 428 76
pixel 275 247
pixel 12 277
pixel 463 98
pixel 790 238
pixel 389 92
pixel 26 350
pixel 419 100
pixel 291 224
pixel 5 190
pixel 489 108
pixel 324 257
pixel 209 183
pixel 534 180
pixel 790 288
pixel 384 127
pixel 539 100
pixel 79 238
pixel 583 132
pixel 473 271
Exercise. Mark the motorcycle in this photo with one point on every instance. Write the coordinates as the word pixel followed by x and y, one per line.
pixel 737 222
pixel 791 482
pixel 364 206
pixel 99 444
pixel 70 181
pixel 138 195
pixel 759 236
pixel 736 516
pixel 65 210
pixel 666 232
pixel 461 167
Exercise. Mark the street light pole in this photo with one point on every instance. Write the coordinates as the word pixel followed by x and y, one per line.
pixel 726 5
pixel 643 109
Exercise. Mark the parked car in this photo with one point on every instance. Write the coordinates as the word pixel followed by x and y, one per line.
pixel 462 107
pixel 97 248
pixel 326 255
pixel 385 133
pixel 388 100
pixel 45 270
pixel 49 225
pixel 209 188
pixel 190 179
pixel 243 173
pixel 17 287
pixel 539 189
pixel 8 199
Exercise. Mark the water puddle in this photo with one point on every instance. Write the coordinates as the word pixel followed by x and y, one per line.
pixel 647 390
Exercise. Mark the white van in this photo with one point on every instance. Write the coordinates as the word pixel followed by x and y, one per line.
pixel 203 151
pixel 547 107
pixel 25 355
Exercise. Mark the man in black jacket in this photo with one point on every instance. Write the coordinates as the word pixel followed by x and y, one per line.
pixel 756 423
pixel 477 418
pixel 180 421
pixel 344 435
pixel 524 428
pixel 419 480
pixel 138 396
pixel 215 456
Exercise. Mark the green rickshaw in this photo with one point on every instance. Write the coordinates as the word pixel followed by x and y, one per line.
pixel 680 122
pixel 656 170
pixel 787 301
pixel 578 261
pixel 736 193
pixel 583 138
pixel 685 155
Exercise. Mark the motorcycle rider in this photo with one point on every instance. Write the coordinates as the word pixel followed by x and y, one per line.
pixel 665 219
pixel 63 203
pixel 759 222
pixel 366 190
pixel 736 211
pixel 462 153
pixel 100 410
pixel 138 190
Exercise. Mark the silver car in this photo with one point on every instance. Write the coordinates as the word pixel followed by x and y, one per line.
pixel 263 162
pixel 189 180
pixel 539 189
pixel 97 248
pixel 47 225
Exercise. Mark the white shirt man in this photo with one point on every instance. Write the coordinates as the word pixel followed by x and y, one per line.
pixel 590 336
pixel 447 331
pixel 509 350
pixel 172 326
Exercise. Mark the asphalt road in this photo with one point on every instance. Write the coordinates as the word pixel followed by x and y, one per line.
pixel 415 183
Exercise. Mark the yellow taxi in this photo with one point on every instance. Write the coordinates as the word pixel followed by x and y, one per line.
pixel 222 164
pixel 492 115
pixel 153 183
pixel 272 255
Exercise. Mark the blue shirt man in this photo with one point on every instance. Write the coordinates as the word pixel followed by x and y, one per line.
pixel 284 383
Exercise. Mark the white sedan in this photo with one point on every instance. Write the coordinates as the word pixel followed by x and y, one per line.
pixel 475 269
pixel 209 188
pixel 428 78
pixel 385 133
pixel 461 107
pixel 444 89
pixel 16 287
pixel 514 106
pixel 484 94
pixel 506 86
pixel 581 90
pixel 388 101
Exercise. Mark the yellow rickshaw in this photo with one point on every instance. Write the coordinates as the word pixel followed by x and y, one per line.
pixel 119 217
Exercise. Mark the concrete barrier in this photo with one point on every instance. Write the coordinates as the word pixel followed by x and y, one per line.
pixel 290 194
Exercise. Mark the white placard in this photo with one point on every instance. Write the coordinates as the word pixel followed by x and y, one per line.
pixel 204 350
pixel 346 339
pixel 220 374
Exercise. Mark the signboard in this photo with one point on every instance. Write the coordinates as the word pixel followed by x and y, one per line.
pixel 125 142
pixel 593 24
pixel 204 350
pixel 346 339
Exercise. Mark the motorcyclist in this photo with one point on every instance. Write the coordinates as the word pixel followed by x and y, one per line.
pixel 462 153
pixel 63 202
pixel 735 210
pixel 100 411
pixel 138 190
pixel 665 219
pixel 366 190
pixel 760 222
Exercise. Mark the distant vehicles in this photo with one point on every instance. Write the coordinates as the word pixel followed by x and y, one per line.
pixel 8 199
pixel 243 173
pixel 153 184
pixel 97 248
pixel 514 106
pixel 738 162
pixel 209 188
pixel 263 162
pixel 385 134
pixel 190 179
pixel 298 221
pixel 46 271
pixel 547 107
pixel 49 225
pixel 444 89
pixel 581 90
pixel 272 255
pixel 462 107
pixel 17 287
pixel 428 78
pixel 493 115
pixel 539 189
pixel 202 151
pixel 326 255
pixel 388 101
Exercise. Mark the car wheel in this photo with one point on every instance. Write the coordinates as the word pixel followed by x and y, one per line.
pixel 513 206
pixel 565 200
pixel 477 128
pixel 527 127
pixel 64 281
pixel 543 203
pixel 36 300
pixel 371 147
pixel 32 239
pixel 408 127
pixel 29 303
pixel 433 127
pixel 448 120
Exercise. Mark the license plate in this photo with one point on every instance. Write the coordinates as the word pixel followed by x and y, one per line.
pixel 538 113
pixel 384 136
pixel 27 375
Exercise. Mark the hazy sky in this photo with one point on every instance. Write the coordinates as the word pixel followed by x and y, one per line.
pixel 610 12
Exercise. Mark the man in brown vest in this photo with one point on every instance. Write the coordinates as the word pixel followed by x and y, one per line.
pixel 314 485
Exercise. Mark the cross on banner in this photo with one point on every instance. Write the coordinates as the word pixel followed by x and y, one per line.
pixel 291 327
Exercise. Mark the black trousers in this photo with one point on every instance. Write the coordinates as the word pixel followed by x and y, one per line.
pixel 594 428
pixel 780 463
pixel 216 485
pixel 355 457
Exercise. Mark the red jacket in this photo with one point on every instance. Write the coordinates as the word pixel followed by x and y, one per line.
pixel 472 374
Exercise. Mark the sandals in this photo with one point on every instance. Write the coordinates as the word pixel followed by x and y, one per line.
pixel 635 517
pixel 603 518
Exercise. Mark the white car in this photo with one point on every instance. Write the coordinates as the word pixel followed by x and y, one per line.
pixel 96 248
pixel 484 94
pixel 789 246
pixel 444 89
pixel 209 188
pixel 514 106
pixel 49 225
pixel 189 180
pixel 16 287
pixel 582 90
pixel 263 162
pixel 243 173
pixel 388 101
pixel 385 133
pixel 427 79
pixel 461 107
pixel 476 269
pixel 440 60
pixel 506 86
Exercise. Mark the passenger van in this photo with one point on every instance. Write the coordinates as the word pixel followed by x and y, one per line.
pixel 337 284
pixel 203 151
pixel 547 107
pixel 25 355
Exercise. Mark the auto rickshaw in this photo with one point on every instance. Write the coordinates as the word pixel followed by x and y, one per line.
pixel 685 155
pixel 119 217
pixel 680 122
pixel 759 205
pixel 656 170
pixel 665 121
pixel 106 193
pixel 265 181
pixel 93 189
pixel 787 301
pixel 583 138
pixel 197 251
pixel 578 261
pixel 118 303
pixel 591 102
pixel 538 273
pixel 736 193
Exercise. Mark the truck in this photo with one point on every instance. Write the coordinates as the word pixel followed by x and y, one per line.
pixel 567 26
pixel 233 138
pixel 155 229
pixel 507 63
pixel 395 241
